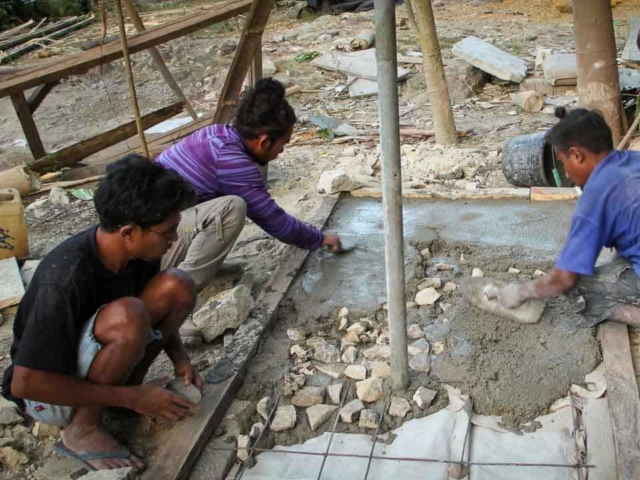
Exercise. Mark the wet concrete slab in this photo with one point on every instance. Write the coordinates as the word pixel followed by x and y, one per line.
pixel 356 279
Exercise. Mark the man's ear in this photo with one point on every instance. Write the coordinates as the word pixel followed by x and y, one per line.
pixel 126 231
pixel 577 155
pixel 264 142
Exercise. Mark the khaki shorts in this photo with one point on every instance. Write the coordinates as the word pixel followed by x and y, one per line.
pixel 88 348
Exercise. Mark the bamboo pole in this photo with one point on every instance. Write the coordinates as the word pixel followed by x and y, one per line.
pixel 630 132
pixel 386 57
pixel 434 73
pixel 157 59
pixel 598 82
pixel 132 86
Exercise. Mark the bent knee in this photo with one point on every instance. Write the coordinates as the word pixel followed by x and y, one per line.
pixel 179 286
pixel 125 319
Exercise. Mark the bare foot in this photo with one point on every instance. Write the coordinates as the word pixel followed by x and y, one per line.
pixel 96 439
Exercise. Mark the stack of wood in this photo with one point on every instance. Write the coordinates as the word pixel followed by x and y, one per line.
pixel 19 40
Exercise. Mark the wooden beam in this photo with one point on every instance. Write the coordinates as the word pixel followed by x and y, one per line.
pixel 622 396
pixel 21 106
pixel 83 61
pixel 157 59
pixel 182 445
pixel 74 153
pixel 249 43
pixel 39 94
pixel 553 194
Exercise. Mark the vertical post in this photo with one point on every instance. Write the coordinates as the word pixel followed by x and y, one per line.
pixel 25 115
pixel 255 74
pixel 132 85
pixel 598 82
pixel 385 19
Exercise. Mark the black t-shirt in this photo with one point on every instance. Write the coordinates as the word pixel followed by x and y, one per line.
pixel 69 286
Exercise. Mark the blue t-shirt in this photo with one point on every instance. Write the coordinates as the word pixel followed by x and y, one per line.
pixel 606 215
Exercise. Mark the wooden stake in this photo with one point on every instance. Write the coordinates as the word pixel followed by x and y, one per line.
pixel 630 132
pixel 434 72
pixel 132 86
pixel 157 59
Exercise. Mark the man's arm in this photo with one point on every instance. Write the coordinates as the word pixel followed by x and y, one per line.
pixel 67 390
pixel 554 283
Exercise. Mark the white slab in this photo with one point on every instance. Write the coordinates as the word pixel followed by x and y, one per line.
pixel 491 59
pixel 359 64
pixel 560 66
pixel 363 88
pixel 630 51
pixel 11 287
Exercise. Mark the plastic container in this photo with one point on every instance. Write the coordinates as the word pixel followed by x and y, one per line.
pixel 527 161
pixel 14 241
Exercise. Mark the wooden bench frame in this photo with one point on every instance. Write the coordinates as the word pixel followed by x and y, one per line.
pixel 44 78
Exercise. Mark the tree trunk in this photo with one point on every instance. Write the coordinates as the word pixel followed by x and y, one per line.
pixel 598 82
pixel 434 73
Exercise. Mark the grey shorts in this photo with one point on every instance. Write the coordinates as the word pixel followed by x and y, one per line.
pixel 612 285
pixel 88 348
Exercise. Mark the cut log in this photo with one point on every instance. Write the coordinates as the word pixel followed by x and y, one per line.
pixel 74 153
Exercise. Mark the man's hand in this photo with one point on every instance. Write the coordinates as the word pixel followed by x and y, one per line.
pixel 511 296
pixel 185 369
pixel 331 243
pixel 155 401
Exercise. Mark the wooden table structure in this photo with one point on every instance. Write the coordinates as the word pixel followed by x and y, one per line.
pixel 43 78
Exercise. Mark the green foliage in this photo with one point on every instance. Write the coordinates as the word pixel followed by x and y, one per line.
pixel 306 56
pixel 61 8
pixel 15 12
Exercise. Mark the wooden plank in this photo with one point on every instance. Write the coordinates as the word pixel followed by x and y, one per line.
pixel 74 153
pixel 83 61
pixel 440 194
pixel 39 94
pixel 552 194
pixel 250 41
pixel 186 440
pixel 29 128
pixel 622 395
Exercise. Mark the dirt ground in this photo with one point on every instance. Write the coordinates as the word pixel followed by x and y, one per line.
pixel 85 105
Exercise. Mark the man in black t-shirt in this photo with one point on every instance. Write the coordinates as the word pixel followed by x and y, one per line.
pixel 99 311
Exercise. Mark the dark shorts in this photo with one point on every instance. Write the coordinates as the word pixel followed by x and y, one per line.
pixel 612 285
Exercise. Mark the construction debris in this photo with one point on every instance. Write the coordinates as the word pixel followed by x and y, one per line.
pixel 363 40
pixel 561 69
pixel 630 52
pixel 318 414
pixel 351 411
pixel 358 64
pixel 228 309
pixel 370 390
pixel 423 397
pixel 285 419
pixel 11 287
pixel 308 396
pixel 491 59
pixel 399 407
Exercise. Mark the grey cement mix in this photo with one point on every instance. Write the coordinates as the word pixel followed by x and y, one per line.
pixel 512 370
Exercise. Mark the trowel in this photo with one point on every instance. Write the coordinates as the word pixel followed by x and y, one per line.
pixel 347 244
pixel 473 289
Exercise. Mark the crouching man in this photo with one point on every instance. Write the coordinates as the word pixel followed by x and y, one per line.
pixel 99 311
pixel 607 215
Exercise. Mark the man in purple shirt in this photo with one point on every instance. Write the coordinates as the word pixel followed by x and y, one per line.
pixel 606 216
pixel 222 163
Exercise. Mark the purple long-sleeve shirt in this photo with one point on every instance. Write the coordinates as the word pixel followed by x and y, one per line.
pixel 215 161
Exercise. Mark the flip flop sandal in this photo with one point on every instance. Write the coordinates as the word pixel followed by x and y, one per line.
pixel 60 448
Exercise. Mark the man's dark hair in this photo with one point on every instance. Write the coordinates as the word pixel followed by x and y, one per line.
pixel 264 110
pixel 580 128
pixel 141 192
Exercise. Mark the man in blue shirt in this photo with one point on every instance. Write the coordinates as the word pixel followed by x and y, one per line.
pixel 607 215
